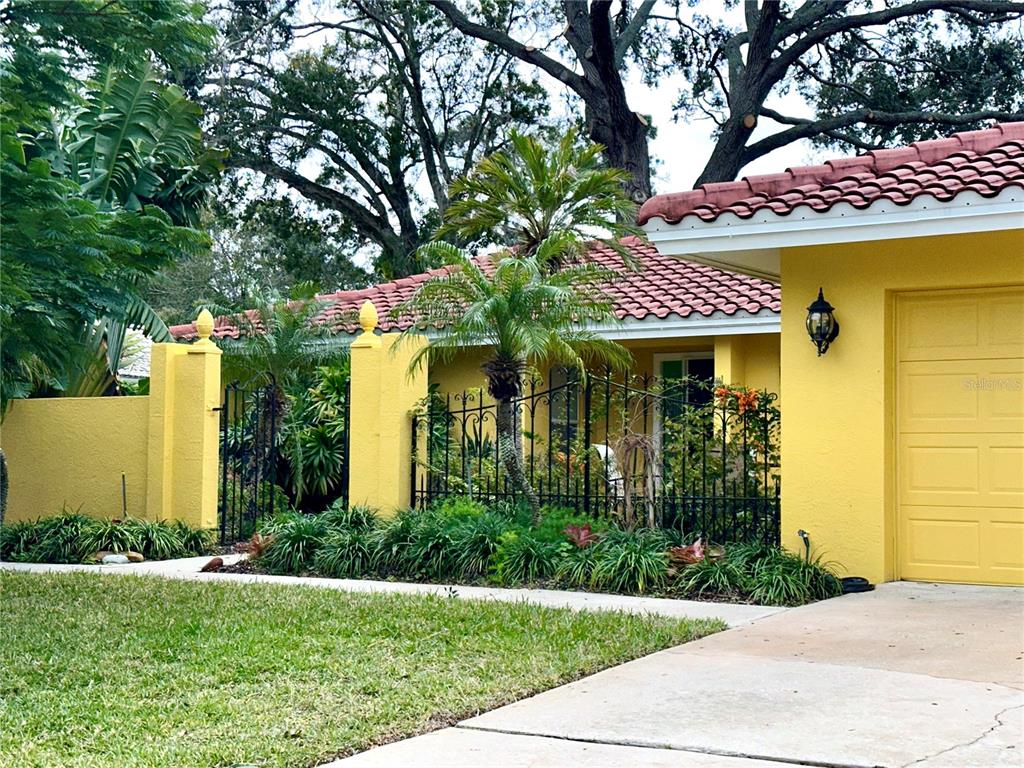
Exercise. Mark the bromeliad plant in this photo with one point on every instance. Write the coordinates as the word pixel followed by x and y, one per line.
pixel 532 301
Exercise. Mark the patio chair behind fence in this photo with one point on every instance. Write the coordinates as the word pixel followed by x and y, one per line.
pixel 643 451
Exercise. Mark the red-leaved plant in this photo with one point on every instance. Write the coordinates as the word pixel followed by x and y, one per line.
pixel 580 535
pixel 688 555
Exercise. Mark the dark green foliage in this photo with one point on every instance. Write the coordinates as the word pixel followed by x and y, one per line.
pixel 74 538
pixel 576 567
pixel 522 558
pixel 764 575
pixel 296 539
pixel 358 517
pixel 633 561
pixel 461 541
pixel 90 212
pixel 787 579
pixel 157 540
pixel 476 542
pixel 392 96
pixel 114 535
pixel 52 540
pixel 712 577
pixel 195 541
pixel 430 551
pixel 554 521
pixel 347 553
pixel 313 435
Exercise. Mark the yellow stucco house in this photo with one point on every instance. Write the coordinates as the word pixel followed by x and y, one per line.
pixel 903 443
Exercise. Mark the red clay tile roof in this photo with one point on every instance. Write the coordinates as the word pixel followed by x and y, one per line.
pixel 662 286
pixel 985 162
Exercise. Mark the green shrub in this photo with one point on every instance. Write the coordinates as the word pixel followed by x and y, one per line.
pixel 72 538
pixel 554 521
pixel 113 535
pixel 522 558
pixel 475 542
pixel 787 579
pixel 393 542
pixel 630 561
pixel 17 541
pixel 195 541
pixel 57 539
pixel 347 553
pixel 460 508
pixel 157 540
pixel 296 539
pixel 430 552
pixel 358 517
pixel 576 567
pixel 723 576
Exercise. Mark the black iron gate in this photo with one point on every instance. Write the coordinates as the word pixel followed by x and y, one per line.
pixel 249 459
pixel 676 453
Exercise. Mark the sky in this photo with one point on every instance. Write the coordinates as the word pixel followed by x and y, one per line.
pixel 680 149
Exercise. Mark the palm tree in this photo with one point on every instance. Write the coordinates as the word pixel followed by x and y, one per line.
pixel 280 342
pixel 534 301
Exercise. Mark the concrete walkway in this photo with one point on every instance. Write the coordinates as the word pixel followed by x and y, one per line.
pixel 733 614
pixel 919 675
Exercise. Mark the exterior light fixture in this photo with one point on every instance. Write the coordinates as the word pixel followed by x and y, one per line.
pixel 822 326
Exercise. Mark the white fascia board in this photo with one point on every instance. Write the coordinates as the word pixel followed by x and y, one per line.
pixel 883 220
pixel 739 324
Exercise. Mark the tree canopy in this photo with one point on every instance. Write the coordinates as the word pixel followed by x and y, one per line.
pixel 97 180
pixel 372 109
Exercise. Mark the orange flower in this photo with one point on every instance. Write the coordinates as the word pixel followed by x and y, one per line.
pixel 746 401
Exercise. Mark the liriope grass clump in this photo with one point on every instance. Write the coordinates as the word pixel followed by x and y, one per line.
pixel 72 537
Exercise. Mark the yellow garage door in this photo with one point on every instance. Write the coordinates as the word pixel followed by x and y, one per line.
pixel 960 435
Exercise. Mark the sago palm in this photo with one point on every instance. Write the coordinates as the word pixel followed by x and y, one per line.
pixel 534 301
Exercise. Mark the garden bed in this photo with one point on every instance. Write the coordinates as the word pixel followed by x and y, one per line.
pixel 170 673
pixel 74 538
pixel 462 542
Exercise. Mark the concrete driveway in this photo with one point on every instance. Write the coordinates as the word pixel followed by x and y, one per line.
pixel 909 675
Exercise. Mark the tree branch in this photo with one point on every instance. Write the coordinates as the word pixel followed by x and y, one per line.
pixel 513 47
pixel 804 128
pixel 628 35
pixel 376 228
pixel 818 33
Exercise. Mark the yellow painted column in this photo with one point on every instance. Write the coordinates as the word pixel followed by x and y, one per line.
pixel 184 424
pixel 729 360
pixel 384 392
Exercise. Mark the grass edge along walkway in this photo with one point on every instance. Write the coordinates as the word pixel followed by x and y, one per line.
pixel 157 672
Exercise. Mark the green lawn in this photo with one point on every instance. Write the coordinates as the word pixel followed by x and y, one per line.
pixel 135 671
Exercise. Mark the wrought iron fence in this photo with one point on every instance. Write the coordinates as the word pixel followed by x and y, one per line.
pixel 249 459
pixel 676 453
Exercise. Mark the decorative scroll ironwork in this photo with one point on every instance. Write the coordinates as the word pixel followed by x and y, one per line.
pixel 650 451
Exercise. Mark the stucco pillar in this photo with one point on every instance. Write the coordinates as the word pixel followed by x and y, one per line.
pixel 729 360
pixel 183 446
pixel 384 392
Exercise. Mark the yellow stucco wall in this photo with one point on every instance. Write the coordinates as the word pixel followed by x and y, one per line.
pixel 384 392
pixel 754 360
pixel 71 451
pixel 837 430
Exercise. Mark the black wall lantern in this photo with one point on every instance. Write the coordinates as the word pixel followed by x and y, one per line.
pixel 822 326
